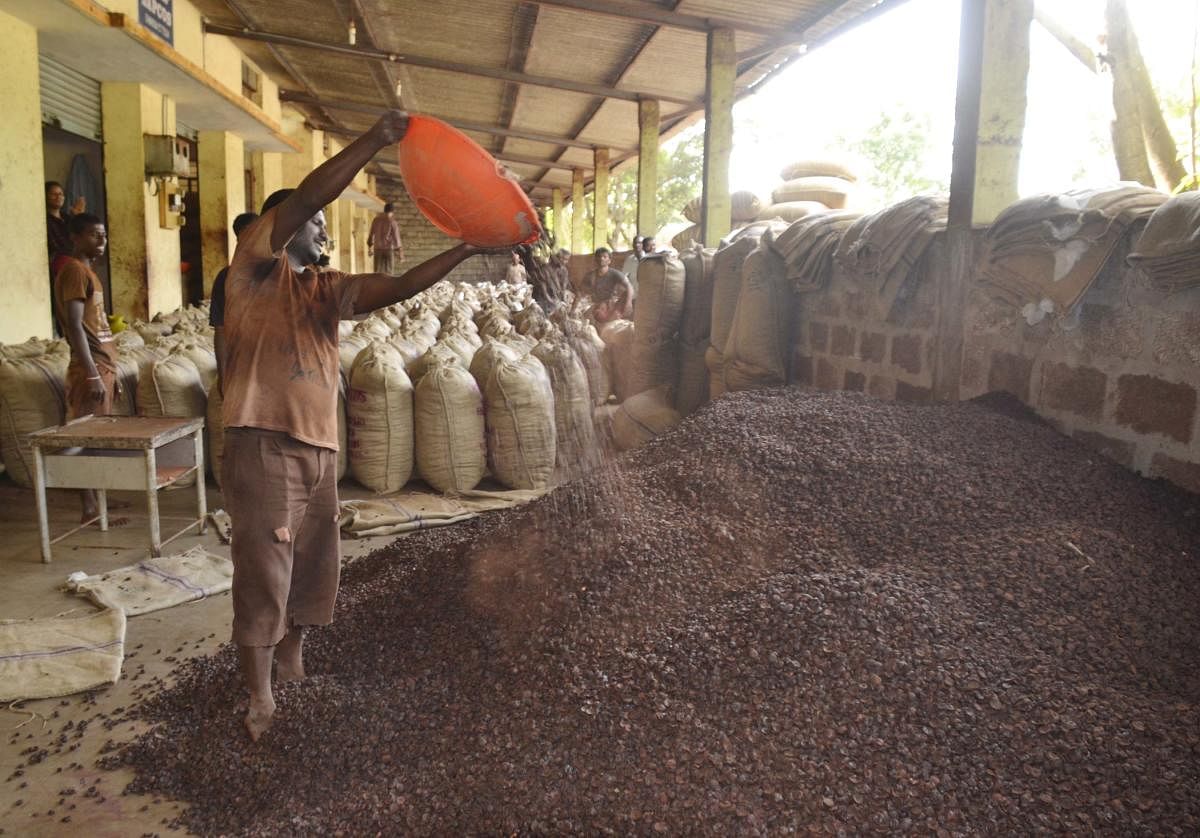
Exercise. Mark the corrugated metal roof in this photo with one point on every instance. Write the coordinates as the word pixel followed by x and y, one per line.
pixel 541 40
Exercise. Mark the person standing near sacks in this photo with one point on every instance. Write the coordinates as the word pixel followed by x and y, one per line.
pixel 79 309
pixel 280 383
pixel 384 241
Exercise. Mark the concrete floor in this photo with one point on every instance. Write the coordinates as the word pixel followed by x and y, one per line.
pixel 31 589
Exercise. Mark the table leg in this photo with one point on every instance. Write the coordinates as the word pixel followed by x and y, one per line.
pixel 152 502
pixel 201 501
pixel 102 502
pixel 39 484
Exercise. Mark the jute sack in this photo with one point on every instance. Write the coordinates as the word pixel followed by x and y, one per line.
pixel 686 237
pixel 450 435
pixel 819 167
pixel 695 323
pixel 643 417
pixel 379 407
pixel 618 350
pixel 460 345
pixel 31 348
pixel 343 457
pixel 756 351
pixel 520 423
pixel 492 353
pixel 129 363
pixel 657 317
pixel 128 339
pixel 32 397
pixel 744 206
pixel 831 191
pixel 792 210
pixel 574 433
pixel 437 353
pixel 727 285
pixel 409 349
pixel 348 349
pixel 214 433
pixel 373 328
pixel 691 393
pixel 205 360
pixel 589 348
pixel 172 386
pixel 714 359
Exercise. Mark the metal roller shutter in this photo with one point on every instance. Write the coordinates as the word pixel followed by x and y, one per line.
pixel 70 99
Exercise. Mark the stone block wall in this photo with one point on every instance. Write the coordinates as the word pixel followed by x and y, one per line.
pixel 423 241
pixel 1121 376
pixel 842 340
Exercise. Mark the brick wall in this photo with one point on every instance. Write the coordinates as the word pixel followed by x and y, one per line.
pixel 841 341
pixel 423 241
pixel 1121 377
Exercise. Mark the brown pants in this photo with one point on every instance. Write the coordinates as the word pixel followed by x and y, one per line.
pixel 282 497
pixel 80 401
pixel 385 261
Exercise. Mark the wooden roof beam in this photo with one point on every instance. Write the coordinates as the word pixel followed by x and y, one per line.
pixel 658 16
pixel 601 91
pixel 297 98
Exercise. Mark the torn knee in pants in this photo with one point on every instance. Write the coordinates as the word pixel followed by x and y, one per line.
pixel 283 535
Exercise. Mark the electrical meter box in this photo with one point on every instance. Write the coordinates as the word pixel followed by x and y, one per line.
pixel 166 156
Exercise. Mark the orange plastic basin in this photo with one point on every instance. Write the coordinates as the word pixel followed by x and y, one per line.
pixel 461 188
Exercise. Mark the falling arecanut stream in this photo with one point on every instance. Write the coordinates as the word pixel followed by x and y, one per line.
pixel 797 611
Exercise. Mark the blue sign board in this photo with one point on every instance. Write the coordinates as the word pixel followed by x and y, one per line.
pixel 159 17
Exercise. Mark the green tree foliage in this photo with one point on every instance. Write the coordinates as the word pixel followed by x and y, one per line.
pixel 897 148
pixel 680 178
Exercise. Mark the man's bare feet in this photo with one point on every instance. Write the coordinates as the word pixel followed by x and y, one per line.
pixel 258 717
pixel 289 656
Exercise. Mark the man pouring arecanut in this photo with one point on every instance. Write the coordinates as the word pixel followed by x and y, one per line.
pixel 280 387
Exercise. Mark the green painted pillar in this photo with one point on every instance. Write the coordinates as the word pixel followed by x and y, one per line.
pixel 647 194
pixel 721 71
pixel 600 199
pixel 577 212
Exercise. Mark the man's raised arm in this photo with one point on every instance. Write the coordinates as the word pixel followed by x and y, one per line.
pixel 326 182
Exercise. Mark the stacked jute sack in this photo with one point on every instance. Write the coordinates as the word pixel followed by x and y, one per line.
pixel 158 369
pixel 744 208
pixel 811 186
pixel 469 380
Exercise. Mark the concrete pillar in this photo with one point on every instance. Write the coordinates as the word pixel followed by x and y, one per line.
pixel 143 257
pixel 344 259
pixel 268 176
pixel 26 309
pixel 295 167
pixel 222 197
pixel 720 72
pixel 362 227
pixel 560 218
pixel 1002 106
pixel 647 194
pixel 577 243
pixel 600 199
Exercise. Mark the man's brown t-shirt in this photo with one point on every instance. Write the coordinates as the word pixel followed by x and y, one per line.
pixel 281 341
pixel 76 281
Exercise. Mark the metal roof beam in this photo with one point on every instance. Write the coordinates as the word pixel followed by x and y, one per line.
pixel 662 17
pixel 297 98
pixel 601 91
pixel 519 159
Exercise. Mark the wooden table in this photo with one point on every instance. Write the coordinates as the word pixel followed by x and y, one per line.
pixel 110 460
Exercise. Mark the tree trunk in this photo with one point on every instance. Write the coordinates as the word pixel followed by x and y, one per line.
pixel 1077 46
pixel 1164 154
pixel 1129 142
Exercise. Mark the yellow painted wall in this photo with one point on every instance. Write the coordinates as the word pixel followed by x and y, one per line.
pixel 26 308
pixel 270 98
pixel 143 257
pixel 268 176
pixel 222 196
pixel 223 60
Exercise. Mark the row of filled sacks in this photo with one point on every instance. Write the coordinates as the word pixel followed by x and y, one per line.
pixel 170 378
